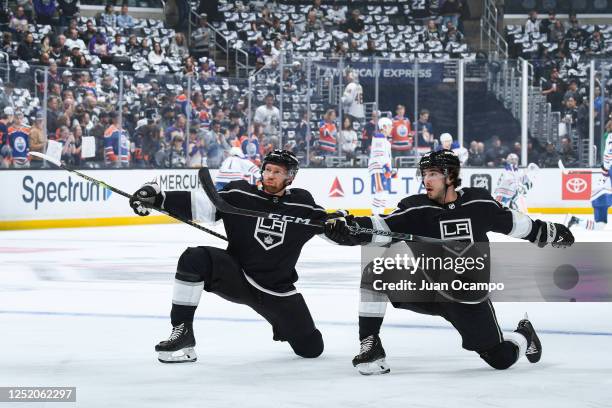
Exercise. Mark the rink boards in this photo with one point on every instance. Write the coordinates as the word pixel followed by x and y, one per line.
pixel 57 198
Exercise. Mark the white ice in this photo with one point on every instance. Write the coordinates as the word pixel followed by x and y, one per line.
pixel 84 308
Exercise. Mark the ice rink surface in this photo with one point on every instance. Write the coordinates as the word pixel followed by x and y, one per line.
pixel 85 307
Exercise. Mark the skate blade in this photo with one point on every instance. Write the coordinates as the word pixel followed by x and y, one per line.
pixel 374 368
pixel 186 355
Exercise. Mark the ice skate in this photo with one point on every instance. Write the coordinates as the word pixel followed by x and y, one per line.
pixel 534 346
pixel 179 348
pixel 371 357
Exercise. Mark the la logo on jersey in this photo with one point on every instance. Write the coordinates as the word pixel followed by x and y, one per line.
pixel 270 233
pixel 457 230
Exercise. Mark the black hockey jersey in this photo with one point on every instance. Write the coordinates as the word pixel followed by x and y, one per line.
pixel 267 250
pixel 468 218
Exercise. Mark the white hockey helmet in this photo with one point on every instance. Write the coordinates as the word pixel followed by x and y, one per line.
pixel 512 159
pixel 385 123
pixel 236 151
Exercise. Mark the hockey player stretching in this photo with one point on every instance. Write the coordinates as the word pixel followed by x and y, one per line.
pixel 258 267
pixel 424 214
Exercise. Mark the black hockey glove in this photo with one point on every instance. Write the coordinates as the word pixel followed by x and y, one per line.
pixel 146 197
pixel 558 235
pixel 337 229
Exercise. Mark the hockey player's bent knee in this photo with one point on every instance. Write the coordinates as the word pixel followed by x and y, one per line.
pixel 502 356
pixel 310 346
pixel 193 265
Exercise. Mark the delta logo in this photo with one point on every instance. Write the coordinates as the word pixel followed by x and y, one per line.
pixel 336 189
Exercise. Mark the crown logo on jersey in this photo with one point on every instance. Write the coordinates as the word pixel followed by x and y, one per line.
pixel 336 189
pixel 268 240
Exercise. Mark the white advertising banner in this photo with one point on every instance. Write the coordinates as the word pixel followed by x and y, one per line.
pixel 57 194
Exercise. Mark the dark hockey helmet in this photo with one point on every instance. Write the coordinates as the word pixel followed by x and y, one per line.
pixel 445 160
pixel 283 158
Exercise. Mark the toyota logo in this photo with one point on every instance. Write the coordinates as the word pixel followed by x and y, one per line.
pixel 576 185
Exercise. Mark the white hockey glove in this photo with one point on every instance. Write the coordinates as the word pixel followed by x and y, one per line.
pixel 146 197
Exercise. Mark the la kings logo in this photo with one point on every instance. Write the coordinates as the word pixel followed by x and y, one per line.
pixel 270 233
pixel 457 230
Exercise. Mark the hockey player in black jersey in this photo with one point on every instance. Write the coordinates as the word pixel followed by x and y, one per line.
pixel 258 267
pixel 425 214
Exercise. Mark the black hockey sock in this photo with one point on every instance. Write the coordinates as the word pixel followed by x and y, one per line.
pixel 182 314
pixel 369 326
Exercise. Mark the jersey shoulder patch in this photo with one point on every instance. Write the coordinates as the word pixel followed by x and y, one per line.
pixel 299 195
pixel 238 185
pixel 477 193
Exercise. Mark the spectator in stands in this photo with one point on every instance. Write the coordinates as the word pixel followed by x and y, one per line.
pixel 570 114
pixel 556 32
pixel 108 18
pixel 44 9
pixel 156 55
pixel 66 138
pixel 451 11
pixel 452 35
pixel 124 20
pixel 89 33
pixel 269 116
pixel 336 15
pixel 355 24
pixel 290 33
pixel 27 50
pixel 118 46
pixel 200 38
pixel 38 140
pixel 67 10
pixel 7 44
pixel 99 45
pixel 45 44
pixel 196 151
pixel 73 40
pixel 553 89
pixel 595 45
pixel 567 154
pixel 550 157
pixel 302 134
pixel 19 23
pixel 175 155
pixel 347 138
pixel 144 48
pixel 328 133
pixel 318 10
pixel 257 52
pixel 571 21
pixel 132 47
pixel 313 24
pixel 574 38
pixel 340 50
pixel 368 131
pixel 432 33
pixel 178 46
pixel 496 154
pixel 533 155
pixel 572 92
pixel 548 23
pixel 424 130
pixel 532 25
pixel 371 49
pixel 475 155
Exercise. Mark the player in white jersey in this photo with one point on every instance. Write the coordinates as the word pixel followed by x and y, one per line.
pixel 601 195
pixel 446 142
pixel 380 166
pixel 513 184
pixel 236 167
pixel 352 99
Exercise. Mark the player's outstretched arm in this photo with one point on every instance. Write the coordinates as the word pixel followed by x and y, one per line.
pixel 191 205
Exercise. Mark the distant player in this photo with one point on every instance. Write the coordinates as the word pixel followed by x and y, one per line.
pixel 380 165
pixel 601 195
pixel 256 269
pixel 352 99
pixel 446 142
pixel 236 167
pixel 426 214
pixel 514 184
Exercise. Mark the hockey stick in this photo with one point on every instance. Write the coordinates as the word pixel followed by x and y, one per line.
pixel 224 206
pixel 566 171
pixel 122 193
